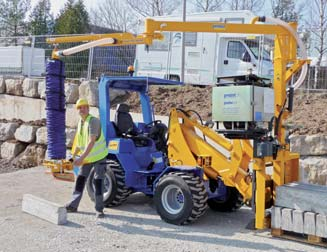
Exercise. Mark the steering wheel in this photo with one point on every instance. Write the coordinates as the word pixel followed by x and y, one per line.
pixel 148 125
pixel 129 133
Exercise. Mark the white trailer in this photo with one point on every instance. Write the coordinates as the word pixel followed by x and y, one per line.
pixel 22 60
pixel 207 55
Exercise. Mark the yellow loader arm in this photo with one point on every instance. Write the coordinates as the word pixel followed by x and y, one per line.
pixel 219 157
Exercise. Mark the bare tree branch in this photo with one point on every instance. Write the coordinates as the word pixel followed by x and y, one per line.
pixel 319 27
pixel 114 14
pixel 318 24
pixel 208 5
pixel 153 7
pixel 252 5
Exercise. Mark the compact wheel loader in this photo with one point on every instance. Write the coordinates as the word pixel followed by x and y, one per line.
pixel 199 165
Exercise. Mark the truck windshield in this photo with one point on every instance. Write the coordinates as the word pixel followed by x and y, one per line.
pixel 254 47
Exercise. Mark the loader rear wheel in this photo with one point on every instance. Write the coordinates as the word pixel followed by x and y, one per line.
pixel 180 198
pixel 115 191
pixel 232 202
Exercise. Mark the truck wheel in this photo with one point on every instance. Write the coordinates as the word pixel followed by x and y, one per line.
pixel 174 78
pixel 233 201
pixel 115 191
pixel 180 198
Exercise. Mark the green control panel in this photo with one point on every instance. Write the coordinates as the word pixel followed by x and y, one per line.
pixel 242 104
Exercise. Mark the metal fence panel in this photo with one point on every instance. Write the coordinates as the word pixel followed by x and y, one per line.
pixel 316 78
pixel 112 60
pixel 89 64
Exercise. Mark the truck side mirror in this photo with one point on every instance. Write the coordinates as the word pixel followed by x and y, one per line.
pixel 246 57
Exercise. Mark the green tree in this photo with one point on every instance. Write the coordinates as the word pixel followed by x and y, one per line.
pixel 73 18
pixel 12 17
pixel 41 20
pixel 285 10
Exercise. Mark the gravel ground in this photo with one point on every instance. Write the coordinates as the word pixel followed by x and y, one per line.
pixel 134 226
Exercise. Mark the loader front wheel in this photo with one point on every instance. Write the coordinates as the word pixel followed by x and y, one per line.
pixel 232 202
pixel 114 192
pixel 180 198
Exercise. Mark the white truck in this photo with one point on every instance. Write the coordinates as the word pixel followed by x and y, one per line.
pixel 207 55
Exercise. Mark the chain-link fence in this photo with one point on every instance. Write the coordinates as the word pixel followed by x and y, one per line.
pixel 27 56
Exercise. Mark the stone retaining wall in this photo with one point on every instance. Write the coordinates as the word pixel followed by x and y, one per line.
pixel 313 162
pixel 23 132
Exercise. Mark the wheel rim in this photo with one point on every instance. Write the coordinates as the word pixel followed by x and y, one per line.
pixel 172 199
pixel 107 187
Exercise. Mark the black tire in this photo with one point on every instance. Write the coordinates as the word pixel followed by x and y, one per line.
pixel 189 189
pixel 115 191
pixel 174 78
pixel 233 202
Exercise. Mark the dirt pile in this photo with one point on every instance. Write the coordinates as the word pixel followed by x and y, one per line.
pixel 165 98
pixel 309 115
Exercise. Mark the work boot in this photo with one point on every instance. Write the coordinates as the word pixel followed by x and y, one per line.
pixel 71 209
pixel 99 215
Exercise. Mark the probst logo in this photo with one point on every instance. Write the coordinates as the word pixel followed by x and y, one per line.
pixel 230 98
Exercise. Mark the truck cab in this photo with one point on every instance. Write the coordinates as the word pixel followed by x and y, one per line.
pixel 242 56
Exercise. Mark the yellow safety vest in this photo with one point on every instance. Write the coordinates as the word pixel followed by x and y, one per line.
pixel 99 150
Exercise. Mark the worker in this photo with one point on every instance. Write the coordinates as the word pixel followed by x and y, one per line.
pixel 91 145
pixel 130 70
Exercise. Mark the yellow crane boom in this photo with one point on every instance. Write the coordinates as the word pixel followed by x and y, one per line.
pixel 113 39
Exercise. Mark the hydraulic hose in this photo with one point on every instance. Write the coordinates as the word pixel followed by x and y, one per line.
pixel 303 52
pixel 86 46
pixel 55 109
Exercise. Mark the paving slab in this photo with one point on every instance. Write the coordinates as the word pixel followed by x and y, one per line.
pixel 44 209
pixel 304 197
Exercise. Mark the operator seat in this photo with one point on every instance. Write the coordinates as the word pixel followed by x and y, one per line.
pixel 124 121
pixel 126 128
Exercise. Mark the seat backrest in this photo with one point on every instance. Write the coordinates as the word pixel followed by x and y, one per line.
pixel 123 119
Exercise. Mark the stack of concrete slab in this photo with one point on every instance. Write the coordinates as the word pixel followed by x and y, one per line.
pixel 301 208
